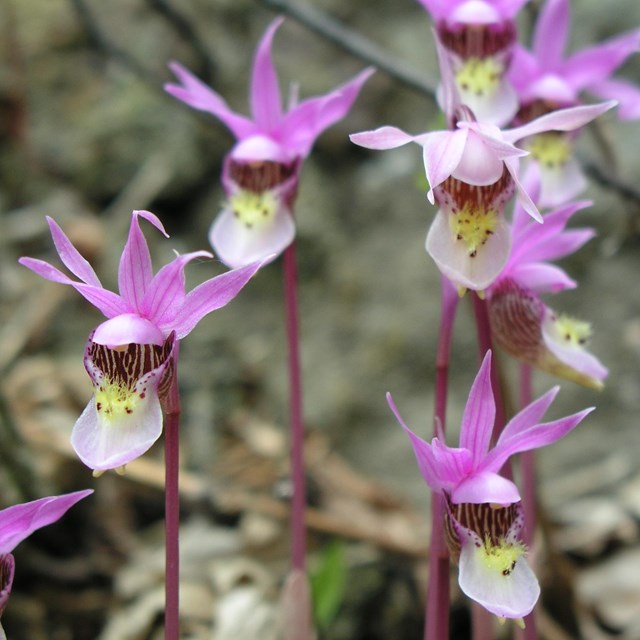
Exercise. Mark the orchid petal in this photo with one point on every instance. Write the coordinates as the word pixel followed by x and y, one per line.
pixel 7 573
pixel 529 416
pixel 382 138
pixel 135 271
pixel 597 63
pixel 166 292
pixel 236 245
pixel 524 199
pixel 542 278
pixel 108 444
pixel 534 437
pixel 211 295
pixel 21 520
pixel 71 257
pixel 562 183
pixel 485 487
pixel 126 329
pixel 575 358
pixel 560 120
pixel 523 71
pixel 551 33
pixel 441 467
pixel 442 153
pixel 507 596
pixel 198 95
pixel 479 413
pixel 626 93
pixel 109 303
pixel 480 164
pixel 453 259
pixel 266 103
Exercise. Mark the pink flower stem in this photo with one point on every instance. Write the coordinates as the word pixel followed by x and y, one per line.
pixel 485 343
pixel 172 508
pixel 481 622
pixel 437 614
pixel 529 496
pixel 298 533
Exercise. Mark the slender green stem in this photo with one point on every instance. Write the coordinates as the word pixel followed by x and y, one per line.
pixel 298 500
pixel 437 614
pixel 172 509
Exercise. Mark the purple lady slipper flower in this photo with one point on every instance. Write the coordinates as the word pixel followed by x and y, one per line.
pixel 260 174
pixel 478 37
pixel 484 517
pixel 530 331
pixel 19 522
pixel 472 173
pixel 546 79
pixel 470 473
pixel 130 356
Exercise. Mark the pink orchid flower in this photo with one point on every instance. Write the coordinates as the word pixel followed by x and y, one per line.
pixel 472 172
pixel 130 356
pixel 546 79
pixel 19 522
pixel 478 37
pixel 470 473
pixel 260 175
pixel 546 75
pixel 527 329
pixel 484 517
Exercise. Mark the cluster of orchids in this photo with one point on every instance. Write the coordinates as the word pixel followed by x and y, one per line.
pixel 512 117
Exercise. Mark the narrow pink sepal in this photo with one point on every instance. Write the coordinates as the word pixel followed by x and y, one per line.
pixel 533 437
pixel 626 93
pixel 441 467
pixel 597 63
pixel 135 271
pixel 212 295
pixel 21 520
pixel 198 95
pixel 128 328
pixel 71 257
pixel 479 413
pixel 542 278
pixel 166 292
pixel 382 138
pixel 266 103
pixel 561 120
pixel 551 33
pixel 109 303
pixel 524 199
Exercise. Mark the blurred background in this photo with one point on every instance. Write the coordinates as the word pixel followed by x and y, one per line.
pixel 86 135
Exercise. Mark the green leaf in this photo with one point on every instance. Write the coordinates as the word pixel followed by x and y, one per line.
pixel 328 584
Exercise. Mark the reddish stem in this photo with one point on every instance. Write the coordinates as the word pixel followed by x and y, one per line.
pixel 172 509
pixel 298 533
pixel 529 497
pixel 485 343
pixel 437 614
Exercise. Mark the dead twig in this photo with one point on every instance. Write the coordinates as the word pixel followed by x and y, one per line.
pixel 355 44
